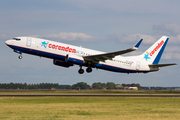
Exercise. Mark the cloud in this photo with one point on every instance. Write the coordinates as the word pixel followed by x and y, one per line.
pixel 63 36
pixel 171 52
pixel 167 29
pixel 3 36
pixel 135 53
pixel 174 39
pixel 172 48
pixel 147 39
pixel 171 56
pixel 132 38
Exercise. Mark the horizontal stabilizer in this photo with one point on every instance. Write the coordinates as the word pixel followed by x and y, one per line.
pixel 161 65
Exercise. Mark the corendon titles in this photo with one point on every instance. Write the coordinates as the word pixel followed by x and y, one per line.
pixel 157 47
pixel 62 48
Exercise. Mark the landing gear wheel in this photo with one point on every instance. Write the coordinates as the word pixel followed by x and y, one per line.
pixel 80 71
pixel 20 57
pixel 88 70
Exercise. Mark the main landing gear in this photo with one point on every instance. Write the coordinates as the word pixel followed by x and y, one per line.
pixel 81 71
pixel 89 69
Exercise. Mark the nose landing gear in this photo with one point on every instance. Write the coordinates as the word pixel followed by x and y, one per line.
pixel 20 56
pixel 19 52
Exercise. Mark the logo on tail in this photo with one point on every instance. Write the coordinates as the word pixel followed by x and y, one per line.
pixel 157 47
pixel 150 54
pixel 146 56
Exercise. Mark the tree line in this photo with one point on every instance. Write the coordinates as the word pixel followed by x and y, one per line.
pixel 79 85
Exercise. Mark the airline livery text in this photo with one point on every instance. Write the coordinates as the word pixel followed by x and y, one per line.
pixel 157 47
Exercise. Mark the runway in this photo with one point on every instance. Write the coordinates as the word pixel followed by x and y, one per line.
pixel 89 95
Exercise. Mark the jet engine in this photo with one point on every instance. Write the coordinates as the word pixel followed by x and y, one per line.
pixel 62 63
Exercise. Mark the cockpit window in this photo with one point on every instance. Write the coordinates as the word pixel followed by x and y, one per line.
pixel 16 39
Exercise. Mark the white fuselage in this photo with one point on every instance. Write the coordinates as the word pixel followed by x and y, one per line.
pixel 59 51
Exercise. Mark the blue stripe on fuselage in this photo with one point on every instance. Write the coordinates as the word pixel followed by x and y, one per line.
pixel 118 69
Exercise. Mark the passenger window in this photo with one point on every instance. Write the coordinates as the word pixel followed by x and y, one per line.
pixel 82 52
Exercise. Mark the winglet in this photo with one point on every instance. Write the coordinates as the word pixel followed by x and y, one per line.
pixel 138 44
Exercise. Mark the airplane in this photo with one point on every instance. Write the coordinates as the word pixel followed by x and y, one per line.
pixel 66 55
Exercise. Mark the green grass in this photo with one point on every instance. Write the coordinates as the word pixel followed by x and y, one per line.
pixel 86 92
pixel 80 108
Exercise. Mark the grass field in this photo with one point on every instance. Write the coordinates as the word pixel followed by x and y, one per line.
pixel 85 92
pixel 88 108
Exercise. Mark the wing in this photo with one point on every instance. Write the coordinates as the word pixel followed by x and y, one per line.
pixel 109 56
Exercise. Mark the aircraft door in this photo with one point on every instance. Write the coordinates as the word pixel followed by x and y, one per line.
pixel 138 65
pixel 28 43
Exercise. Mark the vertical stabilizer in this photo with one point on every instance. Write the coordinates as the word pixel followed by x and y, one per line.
pixel 154 53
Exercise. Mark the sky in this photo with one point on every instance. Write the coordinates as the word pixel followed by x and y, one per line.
pixel 104 25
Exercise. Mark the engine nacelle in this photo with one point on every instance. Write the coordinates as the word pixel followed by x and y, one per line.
pixel 62 63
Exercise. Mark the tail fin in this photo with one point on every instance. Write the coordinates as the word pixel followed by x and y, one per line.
pixel 154 53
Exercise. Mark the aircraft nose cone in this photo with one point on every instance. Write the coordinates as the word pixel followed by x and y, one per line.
pixel 7 42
